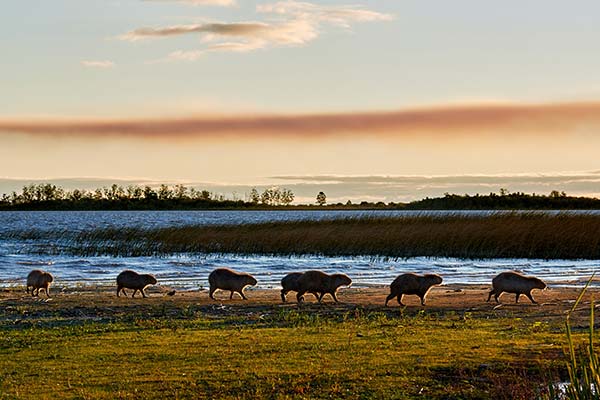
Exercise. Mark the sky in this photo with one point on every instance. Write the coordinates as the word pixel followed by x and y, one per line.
pixel 365 100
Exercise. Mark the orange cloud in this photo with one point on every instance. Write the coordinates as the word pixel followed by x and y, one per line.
pixel 542 119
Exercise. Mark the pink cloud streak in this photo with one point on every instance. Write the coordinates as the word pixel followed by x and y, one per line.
pixel 541 119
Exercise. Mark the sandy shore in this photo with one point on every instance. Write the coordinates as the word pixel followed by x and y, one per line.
pixel 101 302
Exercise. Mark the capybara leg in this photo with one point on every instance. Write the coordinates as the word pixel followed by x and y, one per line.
pixel 422 300
pixel 37 291
pixel 517 297
pixel 496 296
pixel 47 290
pixel 134 292
pixel 231 295
pixel 490 295
pixel 143 294
pixel 531 298
pixel 243 296
pixel 299 297
pixel 390 296
pixel 400 299
pixel 334 297
pixel 316 294
pixel 27 289
pixel 321 295
pixel 283 293
pixel 212 292
pixel 124 292
pixel 118 290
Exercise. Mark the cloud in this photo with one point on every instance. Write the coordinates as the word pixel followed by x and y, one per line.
pixel 193 55
pixel 474 119
pixel 342 15
pixel 221 3
pixel 98 64
pixel 255 34
pixel 295 24
pixel 414 187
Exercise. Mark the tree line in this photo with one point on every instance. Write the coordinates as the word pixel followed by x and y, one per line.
pixel 505 200
pixel 47 196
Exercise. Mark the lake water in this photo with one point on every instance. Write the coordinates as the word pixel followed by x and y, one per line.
pixel 18 257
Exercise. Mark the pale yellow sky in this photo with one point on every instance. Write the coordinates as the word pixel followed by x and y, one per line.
pixel 91 89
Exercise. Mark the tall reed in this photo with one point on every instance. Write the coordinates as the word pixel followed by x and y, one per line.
pixel 584 370
pixel 505 235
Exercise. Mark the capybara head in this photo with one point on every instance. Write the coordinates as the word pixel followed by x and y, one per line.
pixel 250 280
pixel 538 283
pixel 149 279
pixel 341 280
pixel 49 277
pixel 433 279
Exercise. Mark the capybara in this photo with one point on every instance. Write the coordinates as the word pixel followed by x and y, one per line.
pixel 38 279
pixel 410 283
pixel 289 283
pixel 132 280
pixel 514 282
pixel 226 279
pixel 322 283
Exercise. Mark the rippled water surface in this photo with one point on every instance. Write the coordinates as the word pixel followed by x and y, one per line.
pixel 17 257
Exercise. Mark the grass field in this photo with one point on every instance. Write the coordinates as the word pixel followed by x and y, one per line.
pixel 89 344
pixel 507 235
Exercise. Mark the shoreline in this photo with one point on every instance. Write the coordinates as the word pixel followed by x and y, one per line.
pixel 552 302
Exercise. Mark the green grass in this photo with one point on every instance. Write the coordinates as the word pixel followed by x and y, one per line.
pixel 278 353
pixel 506 235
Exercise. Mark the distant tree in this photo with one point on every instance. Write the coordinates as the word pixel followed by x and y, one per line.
pixel 180 192
pixel 76 195
pixel 556 194
pixel 98 194
pixel 115 192
pixel 149 193
pixel 134 192
pixel 254 196
pixel 321 199
pixel 164 192
pixel 266 197
pixel 205 195
pixel 275 196
pixel 287 197
pixel 28 193
pixel 503 192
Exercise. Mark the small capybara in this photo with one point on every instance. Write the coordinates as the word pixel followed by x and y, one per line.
pixel 226 279
pixel 38 279
pixel 514 282
pixel 132 280
pixel 289 283
pixel 410 283
pixel 322 283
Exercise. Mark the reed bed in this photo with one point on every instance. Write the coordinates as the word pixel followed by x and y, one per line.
pixel 504 235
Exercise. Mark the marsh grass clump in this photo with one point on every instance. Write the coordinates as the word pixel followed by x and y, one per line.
pixel 583 366
pixel 497 235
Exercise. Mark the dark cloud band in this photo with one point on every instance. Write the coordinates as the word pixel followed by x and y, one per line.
pixel 543 119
